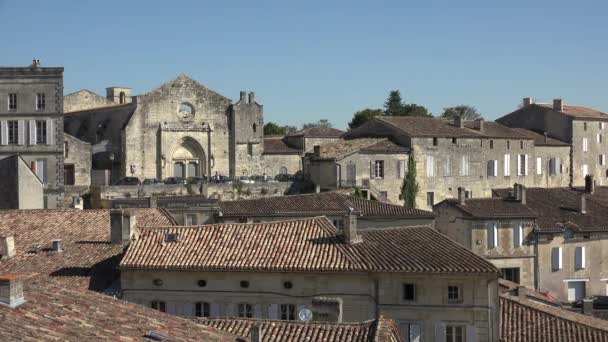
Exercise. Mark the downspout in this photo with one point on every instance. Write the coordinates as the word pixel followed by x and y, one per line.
pixel 536 267
pixel 376 297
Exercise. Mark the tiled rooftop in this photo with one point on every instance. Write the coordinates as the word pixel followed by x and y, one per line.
pixel 53 312
pixel 539 139
pixel 343 148
pixel 382 330
pixel 579 112
pixel 88 259
pixel 495 207
pixel 325 203
pixel 318 132
pixel 276 145
pixel 303 245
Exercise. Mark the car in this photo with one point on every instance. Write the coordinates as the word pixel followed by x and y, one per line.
pixel 224 179
pixel 284 177
pixel 196 180
pixel 151 181
pixel 128 181
pixel 174 180
pixel 246 180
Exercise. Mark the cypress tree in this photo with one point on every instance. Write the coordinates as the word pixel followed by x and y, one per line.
pixel 409 188
pixel 394 104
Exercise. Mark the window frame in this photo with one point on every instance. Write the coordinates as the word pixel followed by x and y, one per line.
pixel 452 330
pixel 12 101
pixel 202 309
pixel 404 291
pixel 450 293
pixel 245 310
pixel 378 168
pixel 40 101
pixel 41 132
pixel 159 305
pixel 287 312
pixel 12 128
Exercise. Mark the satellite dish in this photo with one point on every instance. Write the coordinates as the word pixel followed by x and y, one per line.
pixel 305 315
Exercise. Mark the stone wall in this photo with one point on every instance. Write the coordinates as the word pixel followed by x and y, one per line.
pixel 77 154
pixel 273 163
pixel 84 99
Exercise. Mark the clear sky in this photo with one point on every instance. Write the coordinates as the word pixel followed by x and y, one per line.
pixel 309 60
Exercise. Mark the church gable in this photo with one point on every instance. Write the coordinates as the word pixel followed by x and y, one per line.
pixel 182 82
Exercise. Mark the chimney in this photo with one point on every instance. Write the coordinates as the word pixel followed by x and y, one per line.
pixel 517 192
pixel 527 101
pixel 152 203
pixel 256 332
pixel 588 306
pixel 7 247
pixel 589 184
pixel 522 194
pixel 56 246
pixel 122 226
pixel 558 105
pixel 546 137
pixel 522 292
pixel 11 290
pixel 243 97
pixel 461 196
pixel 583 204
pixel 458 121
pixel 251 97
pixel 479 125
pixel 326 309
pixel 77 202
pixel 317 150
pixel 349 231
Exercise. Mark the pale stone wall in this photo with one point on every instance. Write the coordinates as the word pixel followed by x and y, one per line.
pixel 273 163
pixel 431 309
pixel 309 143
pixel 78 153
pixel 589 130
pixel 84 99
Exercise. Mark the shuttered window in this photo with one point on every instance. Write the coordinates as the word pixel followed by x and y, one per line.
pixel 539 166
pixel 579 258
pixel 507 165
pixel 585 144
pixel 518 235
pixel 492 168
pixel 602 159
pixel 448 167
pixel 492 232
pixel 430 166
pixel 401 168
pixel 556 258
pixel 464 169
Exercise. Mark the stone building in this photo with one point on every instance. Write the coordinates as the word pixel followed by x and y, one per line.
pixel 77 162
pixel 31 123
pixel 180 129
pixel 449 154
pixel 583 128
pixel 281 158
pixel 306 139
pixel 430 285
pixel 19 185
pixel 83 100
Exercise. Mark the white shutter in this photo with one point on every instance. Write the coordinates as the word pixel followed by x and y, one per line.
pixel 495 168
pixel 585 170
pixel 273 311
pixel 448 166
pixel 556 258
pixel 21 132
pixel 189 309
pixel 520 228
pixel 414 333
pixel 517 236
pixel 170 307
pixel 401 166
pixel 491 231
pixel 519 165
pixel 50 132
pixel 430 166
pixel 585 145
pixel 507 165
pixel 602 159
pixel 470 333
pixel 230 310
pixel 3 132
pixel 371 169
pixel 526 165
pixel 539 166
pixel 214 310
pixel 579 257
pixel 32 124
pixel 558 165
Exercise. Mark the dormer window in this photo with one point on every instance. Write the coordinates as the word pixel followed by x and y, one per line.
pixel 170 237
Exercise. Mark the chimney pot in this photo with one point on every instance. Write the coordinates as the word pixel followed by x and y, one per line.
pixel 527 101
pixel 122 226
pixel 251 97
pixel 326 309
pixel 57 246
pixel 522 194
pixel 458 121
pixel 349 231
pixel 7 247
pixel 558 105
pixel 517 191
pixel 256 333
pixel 243 96
pixel 589 184
pixel 479 123
pixel 461 196
pixel 11 290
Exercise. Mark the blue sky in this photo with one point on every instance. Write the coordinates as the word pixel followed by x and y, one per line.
pixel 324 59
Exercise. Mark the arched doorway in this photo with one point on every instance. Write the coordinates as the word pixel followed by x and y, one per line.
pixel 187 159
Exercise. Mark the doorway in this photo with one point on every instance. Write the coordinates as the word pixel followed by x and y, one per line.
pixel 576 291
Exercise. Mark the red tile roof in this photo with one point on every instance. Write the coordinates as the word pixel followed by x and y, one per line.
pixel 489 208
pixel 277 145
pixel 304 245
pixel 382 330
pixel 58 313
pixel 343 148
pixel 578 112
pixel 325 203
pixel 88 259
pixel 526 320
pixel 318 132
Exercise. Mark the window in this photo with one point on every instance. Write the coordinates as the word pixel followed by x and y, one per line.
pixel 585 170
pixel 454 140
pixel 454 333
pixel 245 310
pixel 511 274
pixel 448 166
pixel 378 169
pixel 492 168
pixel 556 258
pixel 507 165
pixel 585 126
pixel 202 309
pixel 579 258
pixel 40 132
pixel 254 127
pixel 430 166
pixel 464 171
pixel 585 145
pixel 430 199
pixel 601 125
pixel 12 101
pixel 508 145
pixel 288 312
pixel 554 166
pixel 40 101
pixel 338 223
pixel 39 167
pixel 491 144
pixel 409 292
pixel 435 141
pixel 599 138
pixel 411 331
pixel 69 174
pixel 521 144
pixel 158 305
pixel 13 132
pixel 121 97
pixel 454 294
pixel 468 194
pixel 602 159
pixel 492 234
pixel 522 164
pixel 384 195
pixel 250 149
pixel 190 219
pixel 518 235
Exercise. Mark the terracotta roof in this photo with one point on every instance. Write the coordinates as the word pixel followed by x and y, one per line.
pixel 526 320
pixel 89 260
pixel 437 127
pixel 539 139
pixel 278 146
pixel 317 132
pixel 343 148
pixel 382 330
pixel 495 207
pixel 578 112
pixel 557 208
pixel 303 245
pixel 55 312
pixel 324 203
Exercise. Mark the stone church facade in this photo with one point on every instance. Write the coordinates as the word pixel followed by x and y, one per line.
pixel 180 129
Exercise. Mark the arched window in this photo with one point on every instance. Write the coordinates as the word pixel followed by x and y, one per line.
pixel 255 127
pixel 202 309
pixel 185 111
pixel 282 170
pixel 122 97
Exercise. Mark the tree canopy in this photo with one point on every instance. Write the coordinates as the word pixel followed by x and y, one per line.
pixel 396 106
pixel 270 128
pixel 363 116
pixel 465 111
pixel 321 123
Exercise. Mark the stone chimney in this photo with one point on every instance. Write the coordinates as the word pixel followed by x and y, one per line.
pixel 479 123
pixel 326 309
pixel 589 184
pixel 558 105
pixel 251 97
pixel 56 246
pixel 583 204
pixel 461 196
pixel 527 101
pixel 458 121
pixel 122 226
pixel 349 231
pixel 517 192
pixel 11 290
pixel 588 306
pixel 7 247
pixel 522 292
pixel 256 333
pixel 243 97
pixel 522 194
pixel 77 202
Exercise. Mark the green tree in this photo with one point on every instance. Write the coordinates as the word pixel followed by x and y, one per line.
pixel 357 193
pixel 321 123
pixel 465 111
pixel 363 116
pixel 409 188
pixel 270 128
pixel 412 109
pixel 393 106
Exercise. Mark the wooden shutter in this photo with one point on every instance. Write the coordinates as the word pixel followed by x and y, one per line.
pixel 214 310
pixel 401 168
pixel 3 132
pixel 519 164
pixel 507 165
pixel 257 311
pixel 32 124
pixel 539 166
pixel 371 169
pixel 517 236
pixel 448 166
pixel 579 257
pixel 526 165
pixel 556 258
pixel 491 235
pixel 21 132
pixel 50 132
pixel 558 166
pixel 490 167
